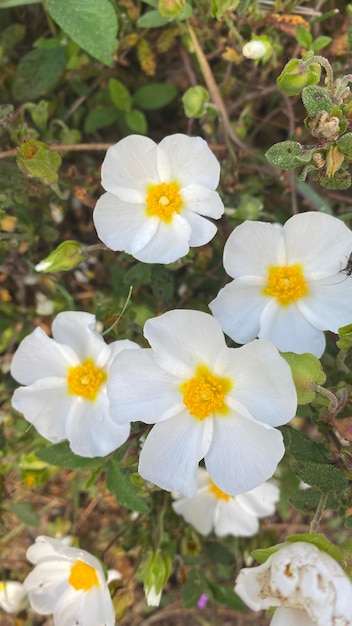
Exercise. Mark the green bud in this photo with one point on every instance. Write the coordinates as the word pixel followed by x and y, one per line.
pixel 171 8
pixel 307 373
pixel 296 75
pixel 156 572
pixel 194 101
pixel 35 159
pixel 345 334
pixel 65 257
pixel 39 113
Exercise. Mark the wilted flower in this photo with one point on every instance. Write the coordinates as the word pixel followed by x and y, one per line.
pixel 65 396
pixel 307 584
pixel 207 401
pixel 158 196
pixel 289 287
pixel 212 509
pixel 13 596
pixel 68 583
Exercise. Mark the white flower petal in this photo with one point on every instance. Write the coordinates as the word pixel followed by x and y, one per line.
pixel 172 451
pixel 319 241
pixel 129 164
pixel 121 225
pixel 243 453
pixel 47 583
pixel 117 346
pixel 330 305
pixel 232 519
pixel 201 200
pixel 93 608
pixel 202 230
pixel 252 248
pixel 13 596
pixel 76 329
pixel 168 243
pixel 191 160
pixel 199 510
pixel 251 367
pixel 91 431
pixel 260 501
pixel 39 356
pixel 291 617
pixel 290 331
pixel 45 404
pixel 140 390
pixel 182 339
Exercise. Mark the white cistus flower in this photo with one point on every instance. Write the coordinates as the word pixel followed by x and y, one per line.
pixel 207 401
pixel 213 509
pixel 307 586
pixel 13 596
pixel 158 197
pixel 69 584
pixel 289 285
pixel 65 396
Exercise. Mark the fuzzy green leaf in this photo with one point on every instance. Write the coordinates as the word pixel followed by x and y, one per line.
pixel 319 475
pixel 302 447
pixel 37 73
pixel 120 95
pixel 288 154
pixel 154 96
pixel 60 454
pixel 119 483
pixel 316 99
pixel 136 121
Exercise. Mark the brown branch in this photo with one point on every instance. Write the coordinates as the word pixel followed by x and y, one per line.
pixel 78 147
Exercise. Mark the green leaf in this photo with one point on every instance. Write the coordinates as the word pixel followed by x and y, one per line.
pixel 136 121
pixel 5 4
pixel 119 483
pixel 303 36
pixel 321 42
pixel 344 144
pixel 6 115
pixel 92 25
pixel 163 284
pixel 38 72
pixel 324 477
pixel 154 96
pixel 191 591
pixel 120 95
pixel 152 19
pixel 226 596
pixel 288 154
pixel 320 541
pixel 25 513
pixel 340 180
pixel 302 447
pixel 218 553
pixel 316 99
pixel 61 455
pixel 307 500
pixel 100 118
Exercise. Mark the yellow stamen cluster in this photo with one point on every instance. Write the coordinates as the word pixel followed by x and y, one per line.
pixel 83 576
pixel 163 200
pixel 85 380
pixel 286 283
pixel 204 394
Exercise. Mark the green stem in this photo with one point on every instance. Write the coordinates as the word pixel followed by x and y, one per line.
pixel 317 58
pixel 315 523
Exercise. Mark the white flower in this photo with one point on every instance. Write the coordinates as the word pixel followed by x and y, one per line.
pixel 207 401
pixel 289 286
pixel 211 508
pixel 308 585
pixel 65 396
pixel 68 583
pixel 157 195
pixel 152 598
pixel 254 49
pixel 13 596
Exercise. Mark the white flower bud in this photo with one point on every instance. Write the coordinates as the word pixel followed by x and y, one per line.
pixel 254 49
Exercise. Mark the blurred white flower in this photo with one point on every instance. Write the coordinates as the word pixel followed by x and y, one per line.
pixel 157 196
pixel 212 509
pixel 65 396
pixel 254 49
pixel 307 585
pixel 68 583
pixel 152 598
pixel 13 596
pixel 206 401
pixel 289 287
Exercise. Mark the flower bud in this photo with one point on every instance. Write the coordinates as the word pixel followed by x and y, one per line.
pixel 65 257
pixel 256 49
pixel 194 101
pixel 171 8
pixel 156 572
pixel 307 373
pixel 35 159
pixel 296 75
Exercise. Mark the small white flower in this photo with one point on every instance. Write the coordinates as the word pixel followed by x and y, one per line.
pixel 211 508
pixel 13 596
pixel 152 598
pixel 254 49
pixel 308 585
pixel 158 196
pixel 289 287
pixel 65 396
pixel 68 583
pixel 206 401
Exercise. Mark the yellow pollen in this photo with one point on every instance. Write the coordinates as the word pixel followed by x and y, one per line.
pixel 287 571
pixel 220 495
pixel 83 576
pixel 163 200
pixel 85 380
pixel 205 393
pixel 286 283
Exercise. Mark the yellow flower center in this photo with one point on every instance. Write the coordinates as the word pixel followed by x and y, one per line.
pixel 163 200
pixel 83 576
pixel 220 495
pixel 286 283
pixel 205 393
pixel 85 380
